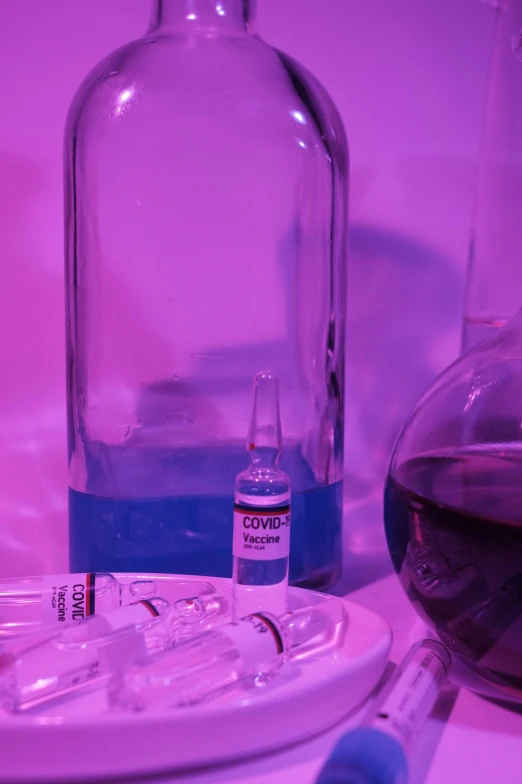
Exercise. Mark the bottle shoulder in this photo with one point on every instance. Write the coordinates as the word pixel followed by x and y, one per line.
pixel 321 105
pixel 172 77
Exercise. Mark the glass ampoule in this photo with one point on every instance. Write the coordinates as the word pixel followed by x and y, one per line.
pixel 57 599
pixel 27 603
pixel 261 537
pixel 82 655
pixel 232 656
pixel 201 612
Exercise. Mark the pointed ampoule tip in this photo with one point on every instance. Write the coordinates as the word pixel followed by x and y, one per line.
pixel 265 424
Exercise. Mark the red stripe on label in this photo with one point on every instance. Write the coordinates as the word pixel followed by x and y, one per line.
pixel 150 607
pixel 90 594
pixel 273 629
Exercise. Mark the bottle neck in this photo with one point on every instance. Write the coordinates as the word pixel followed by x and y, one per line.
pixel 204 14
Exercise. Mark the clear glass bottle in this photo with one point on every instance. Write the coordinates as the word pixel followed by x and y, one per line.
pixel 453 508
pixel 494 272
pixel 205 178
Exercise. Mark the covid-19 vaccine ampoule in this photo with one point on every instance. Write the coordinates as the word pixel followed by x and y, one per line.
pixel 82 655
pixel 59 599
pixel 261 538
pixel 202 612
pixel 29 603
pixel 233 656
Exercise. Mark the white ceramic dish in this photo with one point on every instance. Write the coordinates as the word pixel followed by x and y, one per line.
pixel 82 739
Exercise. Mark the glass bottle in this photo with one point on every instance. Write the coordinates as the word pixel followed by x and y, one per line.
pixel 453 507
pixel 205 190
pixel 494 273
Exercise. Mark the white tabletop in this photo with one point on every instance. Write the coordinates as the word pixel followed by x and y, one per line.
pixel 468 738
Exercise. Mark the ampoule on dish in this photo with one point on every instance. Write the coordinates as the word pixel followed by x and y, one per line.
pixel 27 603
pixel 82 655
pixel 261 534
pixel 194 614
pixel 232 656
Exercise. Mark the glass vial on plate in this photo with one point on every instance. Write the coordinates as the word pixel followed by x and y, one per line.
pixel 194 614
pixel 65 662
pixel 57 599
pixel 29 603
pixel 233 656
pixel 261 536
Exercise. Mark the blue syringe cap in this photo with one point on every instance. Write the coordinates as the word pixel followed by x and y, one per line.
pixel 365 756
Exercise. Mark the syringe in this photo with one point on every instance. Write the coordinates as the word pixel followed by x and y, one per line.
pixel 377 752
pixel 227 657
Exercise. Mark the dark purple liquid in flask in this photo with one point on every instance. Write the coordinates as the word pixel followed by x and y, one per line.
pixel 454 529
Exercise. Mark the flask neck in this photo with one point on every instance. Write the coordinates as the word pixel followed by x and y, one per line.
pixel 212 15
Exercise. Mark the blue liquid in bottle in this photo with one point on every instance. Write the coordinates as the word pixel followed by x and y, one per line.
pixel 125 526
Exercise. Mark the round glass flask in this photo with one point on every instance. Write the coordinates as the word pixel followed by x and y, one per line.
pixel 205 241
pixel 453 507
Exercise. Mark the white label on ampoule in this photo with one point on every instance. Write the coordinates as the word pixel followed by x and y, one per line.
pixel 131 614
pixel 412 697
pixel 257 640
pixel 104 651
pixel 68 597
pixel 80 675
pixel 261 533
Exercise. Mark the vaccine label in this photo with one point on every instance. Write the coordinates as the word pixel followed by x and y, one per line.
pixel 257 640
pixel 130 615
pixel 261 533
pixel 411 700
pixel 120 634
pixel 67 597
pixel 80 675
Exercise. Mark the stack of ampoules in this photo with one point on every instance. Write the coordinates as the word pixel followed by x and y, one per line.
pixel 63 635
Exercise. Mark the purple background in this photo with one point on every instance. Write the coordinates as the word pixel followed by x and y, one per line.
pixel 409 77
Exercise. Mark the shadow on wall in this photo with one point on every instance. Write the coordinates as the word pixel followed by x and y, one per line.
pixel 404 319
pixel 33 466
